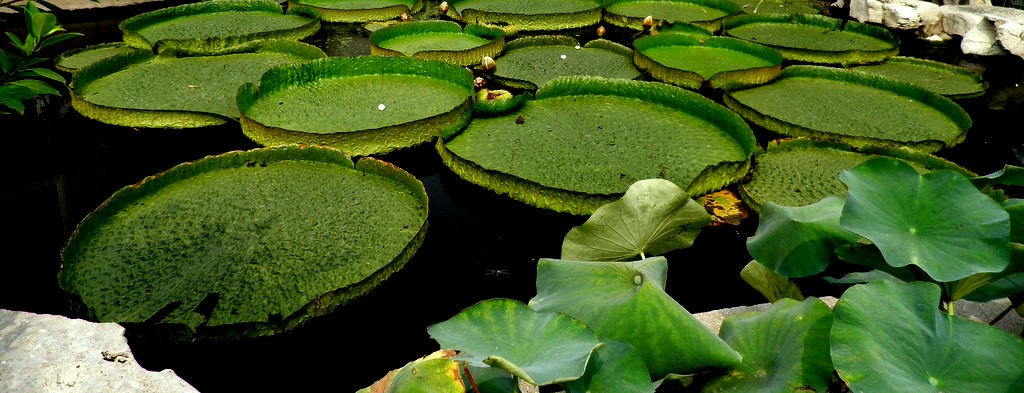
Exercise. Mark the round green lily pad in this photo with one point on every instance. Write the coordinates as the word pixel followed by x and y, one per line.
pixel 852 107
pixel 949 80
pixel 75 59
pixel 705 13
pixel 530 62
pixel 362 105
pixel 800 172
pixel 245 244
pixel 140 89
pixel 438 40
pixel 689 62
pixel 781 6
pixel 584 140
pixel 815 38
pixel 216 27
pixel 528 15
pixel 354 11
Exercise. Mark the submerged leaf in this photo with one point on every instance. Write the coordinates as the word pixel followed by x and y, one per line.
pixel 937 221
pixel 541 348
pixel 892 337
pixel 654 216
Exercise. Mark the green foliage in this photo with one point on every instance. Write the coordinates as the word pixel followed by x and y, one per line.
pixel 24 75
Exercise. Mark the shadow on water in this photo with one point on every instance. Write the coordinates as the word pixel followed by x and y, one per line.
pixel 58 167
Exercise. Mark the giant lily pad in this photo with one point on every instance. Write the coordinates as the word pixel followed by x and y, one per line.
pixel 717 62
pixel 530 62
pixel 362 106
pixel 780 6
pixel 949 80
pixel 852 107
pixel 541 348
pixel 528 15
pixel 891 337
pixel 140 89
pixel 585 140
pixel 216 27
pixel 75 59
pixel 438 40
pixel 784 348
pixel 815 38
pixel 705 13
pixel 799 172
pixel 937 221
pixel 245 243
pixel 627 301
pixel 351 11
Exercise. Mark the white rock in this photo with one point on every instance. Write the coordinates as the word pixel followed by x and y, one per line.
pixel 899 16
pixel 866 11
pixel 1010 34
pixel 977 31
pixel 48 353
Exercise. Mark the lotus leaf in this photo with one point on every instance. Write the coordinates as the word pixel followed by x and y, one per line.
pixel 772 285
pixel 350 11
pixel 946 79
pixel 784 347
pixel 530 62
pixel 718 62
pixel 75 59
pixel 438 40
pixel 528 15
pixel 541 348
pixel 216 27
pixel 580 144
pixel 705 13
pixel 891 337
pixel 615 367
pixel 245 243
pixel 140 89
pixel 363 105
pixel 799 241
pixel 815 38
pixel 937 221
pixel 626 301
pixel 804 101
pixel 800 172
pixel 435 373
pixel 652 218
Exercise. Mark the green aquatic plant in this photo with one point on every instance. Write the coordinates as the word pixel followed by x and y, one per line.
pixel 25 75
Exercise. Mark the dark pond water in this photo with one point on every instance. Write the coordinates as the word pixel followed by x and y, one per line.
pixel 59 166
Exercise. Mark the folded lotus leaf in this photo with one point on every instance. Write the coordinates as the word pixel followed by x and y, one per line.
pixel 245 243
pixel 855 108
pixel 353 11
pixel 216 27
pixel 705 13
pixel 140 89
pixel 815 38
pixel 584 140
pixel 528 15
pixel 438 40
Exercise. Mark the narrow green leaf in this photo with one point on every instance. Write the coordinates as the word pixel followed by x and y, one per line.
pixel 58 38
pixel 37 86
pixel 1010 175
pixel 799 241
pixel 772 285
pixel 31 61
pixel 653 217
pixel 938 221
pixel 892 337
pixel 17 42
pixel 5 62
pixel 42 73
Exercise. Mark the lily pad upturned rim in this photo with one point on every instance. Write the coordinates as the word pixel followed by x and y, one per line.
pixel 692 80
pixel 466 57
pixel 363 142
pixel 844 57
pixel 529 20
pixel 782 146
pixel 582 203
pixel 321 305
pixel 335 15
pixel 936 66
pixel 912 92
pixel 525 43
pixel 213 45
pixel 60 62
pixel 153 118
pixel 636 23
